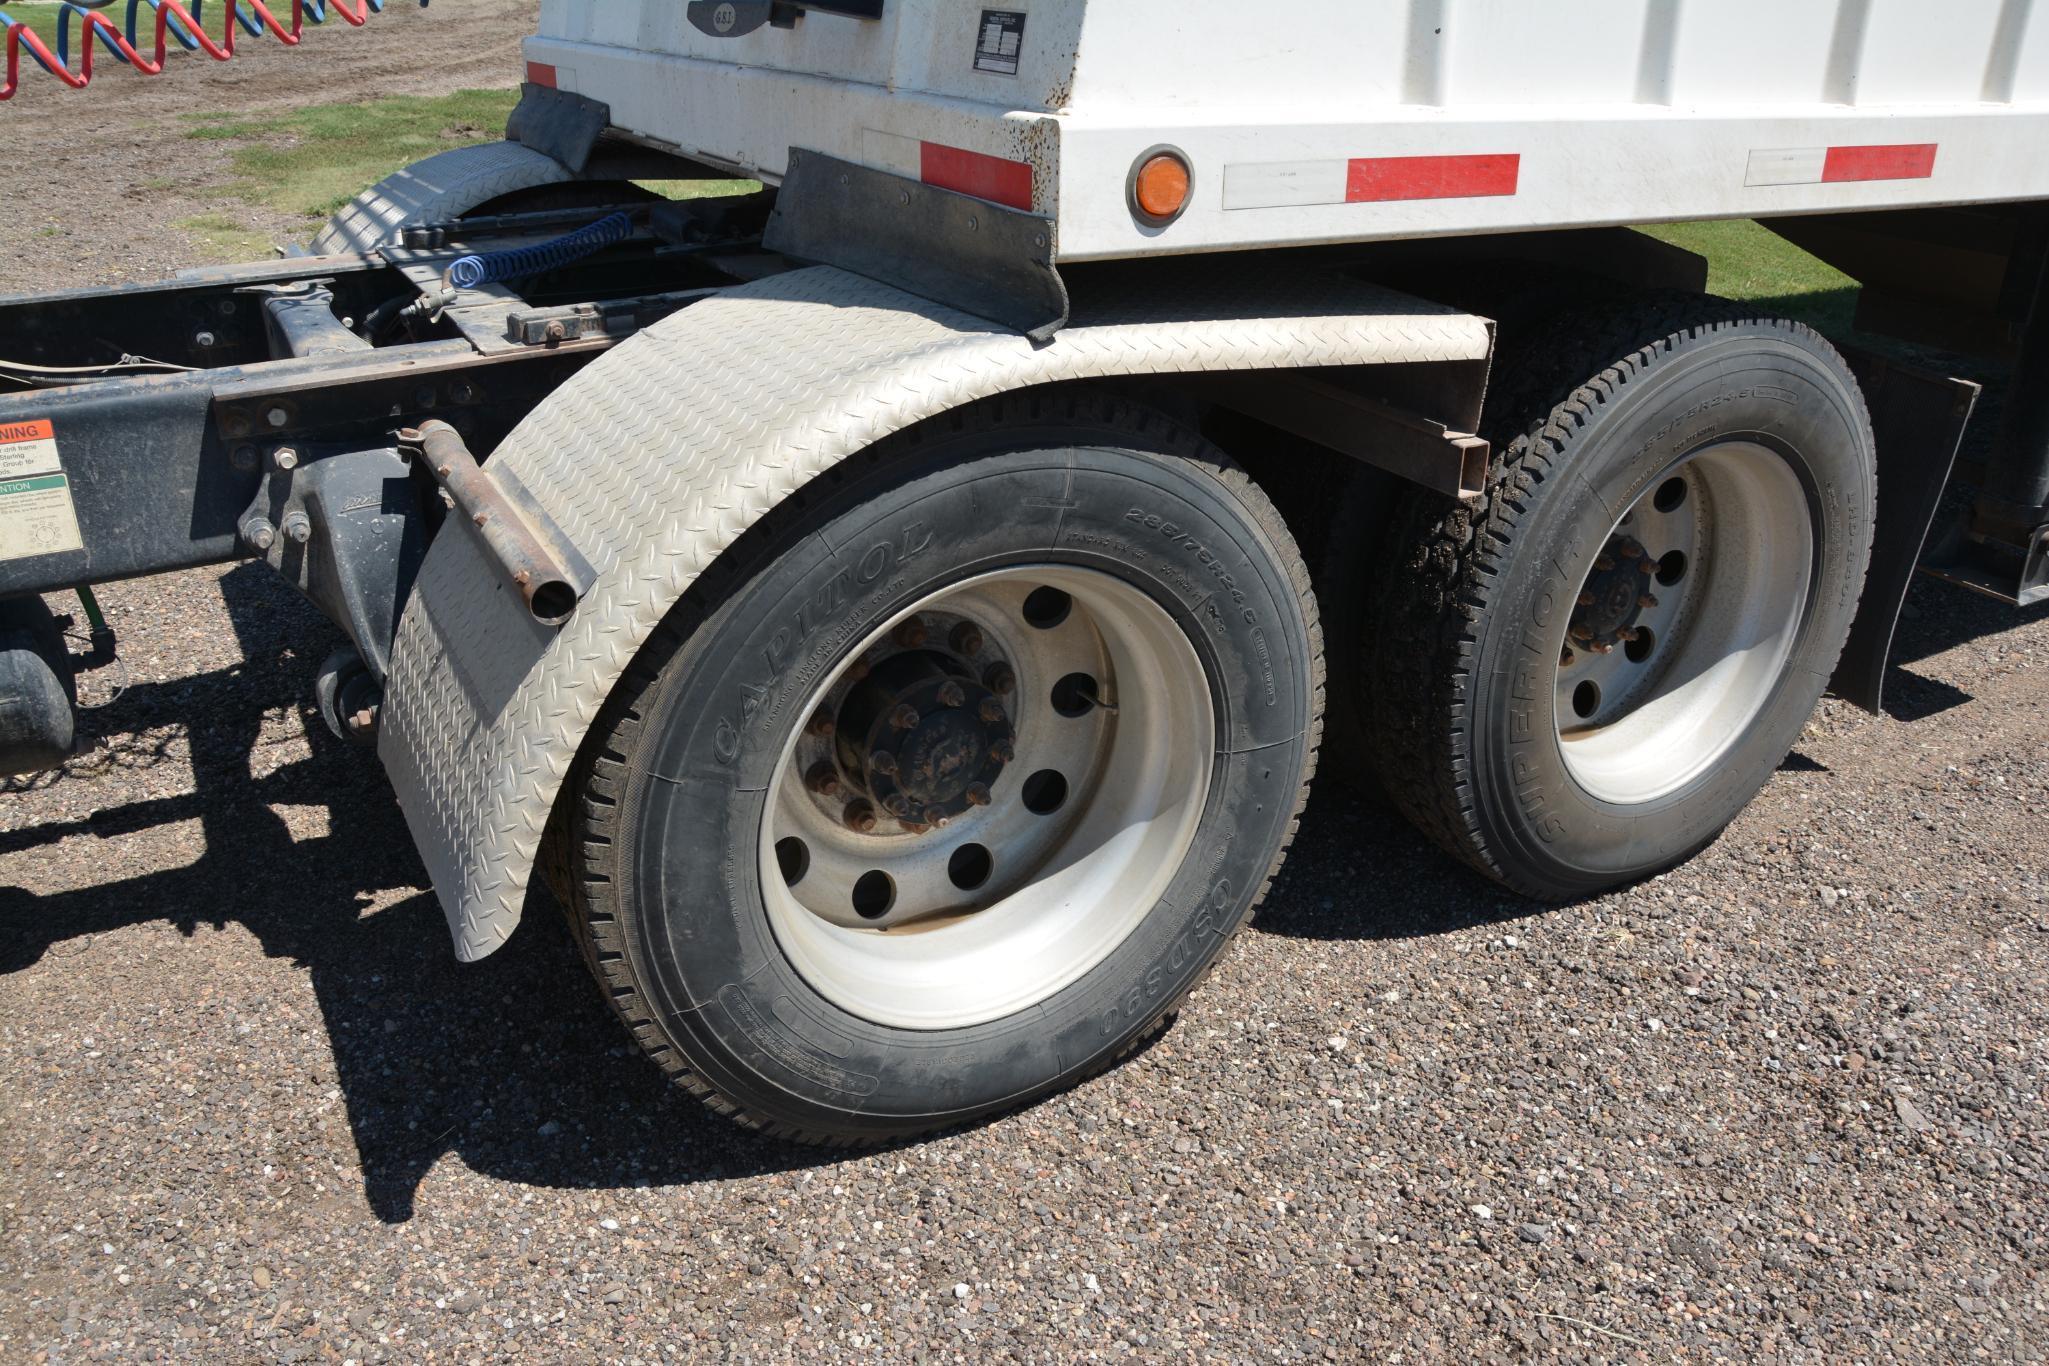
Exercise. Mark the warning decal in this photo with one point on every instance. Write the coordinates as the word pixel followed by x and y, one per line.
pixel 1001 42
pixel 36 513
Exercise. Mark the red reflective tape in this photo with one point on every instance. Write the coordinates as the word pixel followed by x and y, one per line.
pixel 539 73
pixel 984 177
pixel 1903 161
pixel 1467 177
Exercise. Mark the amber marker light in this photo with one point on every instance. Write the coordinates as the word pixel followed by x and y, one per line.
pixel 1160 187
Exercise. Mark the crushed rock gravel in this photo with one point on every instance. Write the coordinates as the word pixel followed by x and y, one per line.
pixel 1785 1103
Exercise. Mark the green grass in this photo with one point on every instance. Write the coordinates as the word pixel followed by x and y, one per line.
pixel 312 161
pixel 226 238
pixel 42 21
pixel 1753 264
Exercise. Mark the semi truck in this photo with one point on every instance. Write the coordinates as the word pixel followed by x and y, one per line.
pixel 897 600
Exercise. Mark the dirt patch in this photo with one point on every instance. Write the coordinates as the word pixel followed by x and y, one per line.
pixel 116 176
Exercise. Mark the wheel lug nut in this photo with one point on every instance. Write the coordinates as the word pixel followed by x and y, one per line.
pixel 896 804
pixel 1647 602
pixel 824 778
pixel 904 717
pixel 1604 562
pixel 860 817
pixel 1627 633
pixel 978 794
pixel 857 671
pixel 1647 566
pixel 992 712
pixel 937 818
pixel 1000 678
pixel 883 762
pixel 1586 599
pixel 820 725
pixel 1003 751
pixel 966 639
pixel 1631 550
pixel 1565 657
pixel 952 695
pixel 909 633
pixel 1600 647
pixel 1581 633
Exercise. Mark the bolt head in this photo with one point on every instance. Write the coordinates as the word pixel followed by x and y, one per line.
pixel 1631 550
pixel 820 725
pixel 823 778
pixel 857 671
pixel 859 817
pixel 937 818
pixel 363 721
pixel 1000 678
pixel 898 805
pixel 260 534
pixel 277 417
pixel 992 712
pixel 883 762
pixel 284 458
pixel 909 633
pixel 1581 633
pixel 904 717
pixel 1647 566
pixel 1586 599
pixel 1601 647
pixel 978 794
pixel 966 639
pixel 299 529
pixel 1566 658
pixel 1604 561
pixel 952 695
pixel 1003 751
pixel 1647 602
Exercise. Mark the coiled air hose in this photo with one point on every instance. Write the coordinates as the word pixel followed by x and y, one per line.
pixel 472 271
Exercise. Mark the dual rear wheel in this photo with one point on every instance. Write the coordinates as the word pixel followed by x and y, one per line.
pixel 944 787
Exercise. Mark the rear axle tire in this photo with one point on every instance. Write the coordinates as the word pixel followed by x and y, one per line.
pixel 944 787
pixel 1580 681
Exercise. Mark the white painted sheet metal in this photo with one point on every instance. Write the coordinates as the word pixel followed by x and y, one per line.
pixel 1298 115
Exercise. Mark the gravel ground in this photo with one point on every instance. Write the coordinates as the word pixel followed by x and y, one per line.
pixel 1785 1103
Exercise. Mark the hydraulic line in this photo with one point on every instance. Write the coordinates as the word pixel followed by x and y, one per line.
pixel 173 21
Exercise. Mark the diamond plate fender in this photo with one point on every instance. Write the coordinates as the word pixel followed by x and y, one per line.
pixel 654 459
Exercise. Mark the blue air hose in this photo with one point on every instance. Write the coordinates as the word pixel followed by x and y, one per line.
pixel 517 264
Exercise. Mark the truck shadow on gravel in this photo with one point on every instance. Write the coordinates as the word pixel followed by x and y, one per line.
pixel 512 1064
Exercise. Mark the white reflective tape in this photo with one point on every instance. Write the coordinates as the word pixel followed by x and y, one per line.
pixel 1786 166
pixel 1285 184
pixel 893 152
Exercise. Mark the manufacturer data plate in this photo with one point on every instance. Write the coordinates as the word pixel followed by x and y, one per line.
pixel 1001 42
pixel 36 512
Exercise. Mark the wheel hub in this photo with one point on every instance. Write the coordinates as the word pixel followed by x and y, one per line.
pixel 1614 596
pixel 923 738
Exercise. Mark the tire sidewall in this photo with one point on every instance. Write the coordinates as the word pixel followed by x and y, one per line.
pixel 699 784
pixel 1752 382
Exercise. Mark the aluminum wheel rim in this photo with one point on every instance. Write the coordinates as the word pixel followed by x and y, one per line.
pixel 1651 695
pixel 1063 885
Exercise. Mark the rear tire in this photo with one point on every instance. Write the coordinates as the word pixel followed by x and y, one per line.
pixel 1561 698
pixel 1061 557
